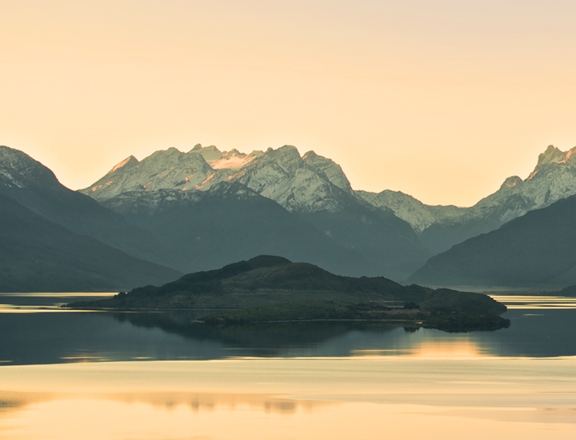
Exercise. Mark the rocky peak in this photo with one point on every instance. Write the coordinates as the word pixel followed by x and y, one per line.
pixel 551 155
pixel 551 159
pixel 328 168
pixel 233 153
pixel 164 169
pixel 511 182
pixel 287 157
pixel 210 153
pixel 127 163
pixel 283 176
pixel 18 170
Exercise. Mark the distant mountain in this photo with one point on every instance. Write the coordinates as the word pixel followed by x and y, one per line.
pixel 37 188
pixel 411 210
pixel 309 188
pixel 440 227
pixel 39 255
pixel 198 169
pixel 389 233
pixel 535 250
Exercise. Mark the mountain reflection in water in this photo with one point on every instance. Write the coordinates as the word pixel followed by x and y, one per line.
pixel 336 398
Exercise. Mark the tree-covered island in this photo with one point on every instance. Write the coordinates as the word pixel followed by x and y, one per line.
pixel 268 289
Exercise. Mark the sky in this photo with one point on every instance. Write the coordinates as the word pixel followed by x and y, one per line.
pixel 439 99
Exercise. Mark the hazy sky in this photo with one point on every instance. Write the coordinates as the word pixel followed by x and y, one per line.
pixel 441 99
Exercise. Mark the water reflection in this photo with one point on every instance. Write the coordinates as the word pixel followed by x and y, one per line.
pixel 36 338
pixel 535 302
pixel 196 402
pixel 263 337
pixel 42 302
pixel 98 419
pixel 291 398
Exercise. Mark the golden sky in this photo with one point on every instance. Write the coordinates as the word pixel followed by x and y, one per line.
pixel 441 99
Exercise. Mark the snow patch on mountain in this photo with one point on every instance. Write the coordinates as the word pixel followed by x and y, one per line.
pixel 233 160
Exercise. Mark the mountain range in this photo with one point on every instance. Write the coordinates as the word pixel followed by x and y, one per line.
pixel 196 210
pixel 441 227
pixel 211 207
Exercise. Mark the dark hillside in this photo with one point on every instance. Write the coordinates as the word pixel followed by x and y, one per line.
pixel 38 255
pixel 535 250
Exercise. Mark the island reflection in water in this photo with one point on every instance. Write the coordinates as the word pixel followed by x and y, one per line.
pixel 32 333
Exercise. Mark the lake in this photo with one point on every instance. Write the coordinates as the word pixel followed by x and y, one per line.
pixel 70 375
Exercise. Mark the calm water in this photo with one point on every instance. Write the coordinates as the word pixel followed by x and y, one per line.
pixel 173 380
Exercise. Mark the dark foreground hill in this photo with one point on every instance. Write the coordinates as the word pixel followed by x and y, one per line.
pixel 39 255
pixel 535 250
pixel 273 289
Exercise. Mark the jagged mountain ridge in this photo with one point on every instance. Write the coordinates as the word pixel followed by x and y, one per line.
pixel 198 169
pixel 297 183
pixel 312 187
pixel 440 227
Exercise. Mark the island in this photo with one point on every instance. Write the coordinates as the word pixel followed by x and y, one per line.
pixel 270 289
